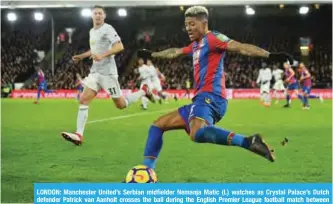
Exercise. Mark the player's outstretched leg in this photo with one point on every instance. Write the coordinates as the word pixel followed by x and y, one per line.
pixel 49 91
pixel 201 133
pixel 123 102
pixel 46 90
pixel 77 137
pixel 312 96
pixel 147 93
pixel 170 121
pixel 307 91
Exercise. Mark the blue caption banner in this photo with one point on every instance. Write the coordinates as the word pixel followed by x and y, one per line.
pixel 181 193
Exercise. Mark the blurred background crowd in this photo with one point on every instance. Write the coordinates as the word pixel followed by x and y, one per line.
pixel 26 45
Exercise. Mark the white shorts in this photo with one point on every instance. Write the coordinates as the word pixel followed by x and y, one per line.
pixel 265 88
pixel 156 85
pixel 109 83
pixel 278 85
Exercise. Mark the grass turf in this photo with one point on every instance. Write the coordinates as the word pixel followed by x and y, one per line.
pixel 34 151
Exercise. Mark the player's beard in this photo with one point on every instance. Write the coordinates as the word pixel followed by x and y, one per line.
pixel 98 22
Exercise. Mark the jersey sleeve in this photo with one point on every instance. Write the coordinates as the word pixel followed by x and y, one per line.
pixel 220 41
pixel 112 35
pixel 188 50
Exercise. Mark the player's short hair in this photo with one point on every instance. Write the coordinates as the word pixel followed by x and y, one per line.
pixel 99 7
pixel 197 11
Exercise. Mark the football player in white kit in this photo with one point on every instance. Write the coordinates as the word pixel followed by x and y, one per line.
pixel 278 85
pixel 145 77
pixel 104 45
pixel 264 79
pixel 155 75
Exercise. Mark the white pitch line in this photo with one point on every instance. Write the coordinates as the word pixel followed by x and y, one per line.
pixel 129 116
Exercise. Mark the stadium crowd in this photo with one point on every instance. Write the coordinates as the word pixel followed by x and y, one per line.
pixel 18 57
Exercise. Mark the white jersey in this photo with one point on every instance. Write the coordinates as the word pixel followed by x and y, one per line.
pixel 265 76
pixel 153 74
pixel 101 40
pixel 145 73
pixel 278 85
pixel 277 74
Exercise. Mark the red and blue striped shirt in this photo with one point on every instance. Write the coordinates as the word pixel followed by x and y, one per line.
pixel 288 72
pixel 208 57
pixel 307 81
pixel 41 77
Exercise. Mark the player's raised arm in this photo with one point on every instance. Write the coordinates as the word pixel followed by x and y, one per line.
pixel 254 51
pixel 168 53
pixel 225 43
pixel 247 49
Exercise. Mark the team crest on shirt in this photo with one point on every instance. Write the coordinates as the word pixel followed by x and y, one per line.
pixel 208 100
pixel 91 42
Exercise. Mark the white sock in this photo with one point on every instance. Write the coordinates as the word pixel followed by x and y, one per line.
pixel 275 95
pixel 144 101
pixel 82 117
pixel 133 97
pixel 267 98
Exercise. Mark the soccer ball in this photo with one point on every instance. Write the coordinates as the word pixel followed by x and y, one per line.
pixel 141 174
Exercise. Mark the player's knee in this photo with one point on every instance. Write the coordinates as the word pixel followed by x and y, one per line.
pixel 83 101
pixel 120 106
pixel 195 126
pixel 120 103
pixel 159 123
pixel 163 123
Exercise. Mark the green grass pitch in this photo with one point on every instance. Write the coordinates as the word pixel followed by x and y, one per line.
pixel 34 151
